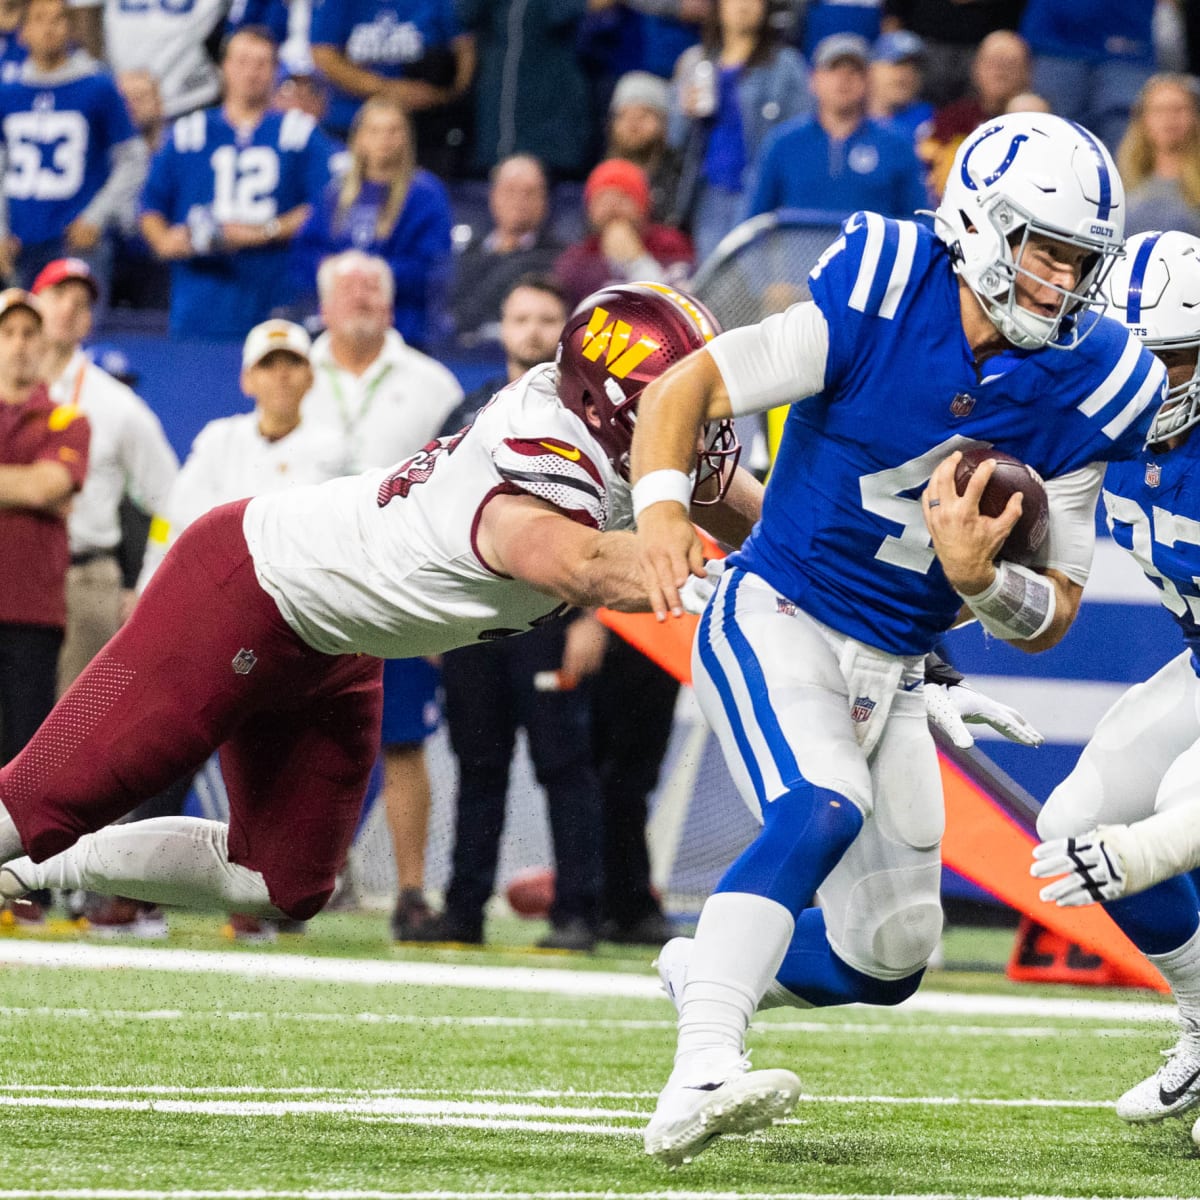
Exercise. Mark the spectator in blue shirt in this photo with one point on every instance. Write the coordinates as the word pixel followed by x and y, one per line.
pixel 839 159
pixel 73 162
pixel 1091 58
pixel 412 51
pixel 227 192
pixel 386 205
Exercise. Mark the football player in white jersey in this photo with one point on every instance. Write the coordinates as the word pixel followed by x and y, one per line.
pixel 1137 779
pixel 916 345
pixel 257 633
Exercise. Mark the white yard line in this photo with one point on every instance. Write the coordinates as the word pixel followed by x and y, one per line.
pixel 1024 1032
pixel 552 980
pixel 441 1111
pixel 358 1194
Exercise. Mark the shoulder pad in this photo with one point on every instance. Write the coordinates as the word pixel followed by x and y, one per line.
pixel 190 133
pixel 295 130
pixel 868 268
pixel 557 472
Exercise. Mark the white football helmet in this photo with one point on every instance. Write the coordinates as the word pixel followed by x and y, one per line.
pixel 1155 290
pixel 1023 174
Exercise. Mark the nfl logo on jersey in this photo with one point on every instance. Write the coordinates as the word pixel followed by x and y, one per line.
pixel 1153 474
pixel 962 404
pixel 863 707
pixel 243 662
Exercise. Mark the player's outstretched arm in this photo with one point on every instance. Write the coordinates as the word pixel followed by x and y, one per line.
pixel 533 542
pixel 671 413
pixel 1119 860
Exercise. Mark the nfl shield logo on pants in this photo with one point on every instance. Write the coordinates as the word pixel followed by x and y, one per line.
pixel 962 404
pixel 243 662
pixel 862 708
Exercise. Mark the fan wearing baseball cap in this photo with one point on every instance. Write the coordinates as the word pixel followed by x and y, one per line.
pixel 43 461
pixel 130 459
pixel 250 453
pixel 839 159
pixel 624 245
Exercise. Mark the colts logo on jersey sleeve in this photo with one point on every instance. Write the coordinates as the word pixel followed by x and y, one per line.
pixel 612 339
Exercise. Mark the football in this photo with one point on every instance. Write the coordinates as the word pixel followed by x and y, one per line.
pixel 530 892
pixel 1011 475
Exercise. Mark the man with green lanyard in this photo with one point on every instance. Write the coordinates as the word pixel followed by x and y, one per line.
pixel 387 400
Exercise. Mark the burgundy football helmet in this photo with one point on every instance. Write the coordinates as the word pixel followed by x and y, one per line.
pixel 613 345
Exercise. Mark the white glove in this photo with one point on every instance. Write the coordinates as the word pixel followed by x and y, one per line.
pixel 696 592
pixel 1092 866
pixel 951 709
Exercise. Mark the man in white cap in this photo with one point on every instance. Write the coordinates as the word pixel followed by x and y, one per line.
pixel 130 457
pixel 264 450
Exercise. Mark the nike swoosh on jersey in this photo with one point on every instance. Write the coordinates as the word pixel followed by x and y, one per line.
pixel 1167 1098
pixel 574 454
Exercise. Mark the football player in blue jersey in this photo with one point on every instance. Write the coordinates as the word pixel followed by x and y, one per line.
pixel 73 162
pixel 227 192
pixel 1137 778
pixel 808 660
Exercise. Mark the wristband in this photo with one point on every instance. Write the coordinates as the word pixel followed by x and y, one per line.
pixel 662 485
pixel 1018 606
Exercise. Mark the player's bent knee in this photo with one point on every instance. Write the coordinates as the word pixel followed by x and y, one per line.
pixel 906 939
pixel 302 908
pixel 889 991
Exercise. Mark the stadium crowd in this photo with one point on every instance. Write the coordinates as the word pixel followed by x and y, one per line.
pixel 421 178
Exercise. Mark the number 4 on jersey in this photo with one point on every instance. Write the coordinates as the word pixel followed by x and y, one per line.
pixel 885 494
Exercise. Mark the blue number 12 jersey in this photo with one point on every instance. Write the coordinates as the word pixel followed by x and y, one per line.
pixel 842 533
pixel 206 174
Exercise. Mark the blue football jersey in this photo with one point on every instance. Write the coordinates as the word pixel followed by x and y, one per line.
pixel 1153 509
pixel 382 36
pixel 58 137
pixel 842 533
pixel 204 175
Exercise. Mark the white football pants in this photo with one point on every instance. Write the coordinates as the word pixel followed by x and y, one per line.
pixel 783 692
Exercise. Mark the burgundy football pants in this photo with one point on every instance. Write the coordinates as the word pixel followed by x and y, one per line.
pixel 207 661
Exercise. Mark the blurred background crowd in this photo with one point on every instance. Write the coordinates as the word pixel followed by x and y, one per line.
pixel 431 186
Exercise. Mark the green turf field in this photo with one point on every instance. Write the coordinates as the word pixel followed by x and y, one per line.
pixel 124 1082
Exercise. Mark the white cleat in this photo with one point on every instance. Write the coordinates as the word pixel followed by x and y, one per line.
pixel 690 1115
pixel 12 886
pixel 671 965
pixel 1172 1089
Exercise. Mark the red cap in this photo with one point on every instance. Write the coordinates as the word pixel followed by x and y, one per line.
pixel 63 269
pixel 623 175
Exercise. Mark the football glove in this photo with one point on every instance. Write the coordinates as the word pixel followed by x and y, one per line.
pixel 953 707
pixel 1092 866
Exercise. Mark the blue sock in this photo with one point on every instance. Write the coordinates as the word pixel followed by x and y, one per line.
pixel 1161 918
pixel 813 972
pixel 805 832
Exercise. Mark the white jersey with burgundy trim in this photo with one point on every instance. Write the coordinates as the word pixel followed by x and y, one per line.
pixel 385 562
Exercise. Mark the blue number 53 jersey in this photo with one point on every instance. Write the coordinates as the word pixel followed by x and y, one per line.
pixel 842 533
pixel 1153 507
